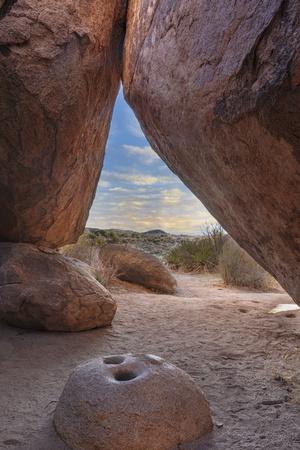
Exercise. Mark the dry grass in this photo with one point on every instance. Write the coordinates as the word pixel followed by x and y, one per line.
pixel 88 249
pixel 237 268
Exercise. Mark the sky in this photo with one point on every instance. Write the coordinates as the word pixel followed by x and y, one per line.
pixel 137 191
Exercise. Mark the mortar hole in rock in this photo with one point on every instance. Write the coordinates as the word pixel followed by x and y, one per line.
pixel 125 376
pixel 114 360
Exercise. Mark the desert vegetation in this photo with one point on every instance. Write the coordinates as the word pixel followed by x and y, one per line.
pixel 238 268
pixel 110 261
pixel 212 251
pixel 199 254
pixel 87 250
pixel 215 251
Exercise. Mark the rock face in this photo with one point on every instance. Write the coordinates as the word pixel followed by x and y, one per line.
pixel 59 75
pixel 138 267
pixel 216 87
pixel 130 402
pixel 42 289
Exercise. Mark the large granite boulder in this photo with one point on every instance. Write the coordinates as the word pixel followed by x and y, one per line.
pixel 138 267
pixel 130 402
pixel 41 289
pixel 216 87
pixel 60 66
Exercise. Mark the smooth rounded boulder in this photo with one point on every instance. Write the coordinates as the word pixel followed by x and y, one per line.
pixel 138 267
pixel 41 289
pixel 60 68
pixel 216 88
pixel 130 402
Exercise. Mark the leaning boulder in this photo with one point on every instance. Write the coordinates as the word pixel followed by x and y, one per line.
pixel 130 402
pixel 41 289
pixel 138 267
pixel 216 88
pixel 60 68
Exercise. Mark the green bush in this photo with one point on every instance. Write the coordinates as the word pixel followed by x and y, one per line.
pixel 197 255
pixel 237 268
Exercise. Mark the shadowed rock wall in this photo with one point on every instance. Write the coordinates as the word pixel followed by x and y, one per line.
pixel 216 88
pixel 60 66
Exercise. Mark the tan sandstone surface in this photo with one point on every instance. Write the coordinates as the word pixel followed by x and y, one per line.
pixel 238 354
pixel 136 266
pixel 42 289
pixel 216 87
pixel 130 402
pixel 60 65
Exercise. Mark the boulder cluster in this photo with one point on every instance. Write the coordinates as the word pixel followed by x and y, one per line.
pixel 216 88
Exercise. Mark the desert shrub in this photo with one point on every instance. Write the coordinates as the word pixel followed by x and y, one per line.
pixel 199 254
pixel 110 236
pixel 87 249
pixel 237 268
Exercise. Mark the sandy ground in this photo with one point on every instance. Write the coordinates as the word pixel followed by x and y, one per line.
pixel 243 358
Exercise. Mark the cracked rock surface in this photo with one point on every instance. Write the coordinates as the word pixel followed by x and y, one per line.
pixel 42 289
pixel 216 88
pixel 60 66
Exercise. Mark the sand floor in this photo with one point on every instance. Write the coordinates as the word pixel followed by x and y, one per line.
pixel 245 360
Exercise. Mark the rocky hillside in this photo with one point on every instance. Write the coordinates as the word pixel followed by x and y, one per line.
pixel 155 242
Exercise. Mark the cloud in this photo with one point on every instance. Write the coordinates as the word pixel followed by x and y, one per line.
pixel 172 196
pixel 104 184
pixel 118 189
pixel 175 210
pixel 137 179
pixel 146 154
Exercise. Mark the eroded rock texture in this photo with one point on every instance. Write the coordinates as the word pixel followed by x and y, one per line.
pixel 216 87
pixel 41 289
pixel 59 75
pixel 130 402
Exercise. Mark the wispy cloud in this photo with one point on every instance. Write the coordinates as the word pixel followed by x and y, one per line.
pixel 137 179
pixel 172 196
pixel 145 154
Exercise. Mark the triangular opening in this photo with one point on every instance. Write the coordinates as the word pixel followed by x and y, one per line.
pixel 137 191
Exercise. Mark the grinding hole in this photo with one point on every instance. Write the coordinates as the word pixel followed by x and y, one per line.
pixel 114 360
pixel 125 376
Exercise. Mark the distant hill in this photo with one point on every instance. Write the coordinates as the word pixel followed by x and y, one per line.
pixel 155 232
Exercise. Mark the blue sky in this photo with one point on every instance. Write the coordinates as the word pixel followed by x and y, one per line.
pixel 137 191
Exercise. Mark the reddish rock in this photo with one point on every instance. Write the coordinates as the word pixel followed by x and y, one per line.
pixel 216 87
pixel 41 289
pixel 133 265
pixel 60 64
